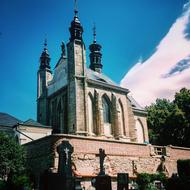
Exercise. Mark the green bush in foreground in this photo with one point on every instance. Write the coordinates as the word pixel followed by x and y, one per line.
pixel 12 164
pixel 145 180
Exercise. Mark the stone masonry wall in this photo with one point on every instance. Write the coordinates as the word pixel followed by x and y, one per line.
pixel 126 157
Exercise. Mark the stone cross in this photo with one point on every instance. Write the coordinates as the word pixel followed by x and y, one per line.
pixel 64 166
pixel 102 156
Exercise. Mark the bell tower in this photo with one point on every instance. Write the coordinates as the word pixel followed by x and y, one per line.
pixel 95 54
pixel 76 78
pixel 44 75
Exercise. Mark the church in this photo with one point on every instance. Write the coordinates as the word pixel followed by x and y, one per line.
pixel 88 109
pixel 83 101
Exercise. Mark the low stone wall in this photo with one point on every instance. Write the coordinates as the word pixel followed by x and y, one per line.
pixel 122 157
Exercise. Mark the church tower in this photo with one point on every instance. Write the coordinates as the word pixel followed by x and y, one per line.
pixel 76 78
pixel 95 55
pixel 44 75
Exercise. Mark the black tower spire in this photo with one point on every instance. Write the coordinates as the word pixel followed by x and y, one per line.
pixel 45 58
pixel 76 29
pixel 95 55
pixel 44 75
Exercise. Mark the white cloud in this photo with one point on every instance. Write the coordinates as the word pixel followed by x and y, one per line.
pixel 146 80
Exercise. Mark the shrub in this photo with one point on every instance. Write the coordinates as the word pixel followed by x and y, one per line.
pixel 183 167
pixel 145 180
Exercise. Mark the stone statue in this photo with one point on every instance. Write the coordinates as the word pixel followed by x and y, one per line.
pixel 102 156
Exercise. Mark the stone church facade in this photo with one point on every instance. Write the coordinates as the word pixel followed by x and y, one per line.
pixel 88 109
pixel 83 101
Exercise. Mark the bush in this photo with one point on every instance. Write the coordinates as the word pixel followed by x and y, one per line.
pixel 182 181
pixel 145 180
pixel 19 182
pixel 13 174
pixel 183 167
pixel 12 157
pixel 2 185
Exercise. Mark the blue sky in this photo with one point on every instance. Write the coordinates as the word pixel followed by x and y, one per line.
pixel 127 30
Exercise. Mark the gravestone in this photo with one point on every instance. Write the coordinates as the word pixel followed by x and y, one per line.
pixel 102 181
pixel 65 150
pixel 122 181
pixel 63 180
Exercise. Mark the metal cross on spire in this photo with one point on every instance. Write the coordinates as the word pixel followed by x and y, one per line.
pixel 76 8
pixel 94 32
pixel 45 42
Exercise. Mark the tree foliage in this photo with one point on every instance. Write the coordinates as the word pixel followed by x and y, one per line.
pixel 145 180
pixel 183 168
pixel 182 180
pixel 12 157
pixel 13 174
pixel 169 121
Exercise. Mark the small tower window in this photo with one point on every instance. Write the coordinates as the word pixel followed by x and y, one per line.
pixel 94 59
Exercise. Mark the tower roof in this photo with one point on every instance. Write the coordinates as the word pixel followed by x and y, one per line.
pixel 76 28
pixel 95 55
pixel 45 57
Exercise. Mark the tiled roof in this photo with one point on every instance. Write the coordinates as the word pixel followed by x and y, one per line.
pixel 8 120
pixel 99 77
pixel 31 122
pixel 134 103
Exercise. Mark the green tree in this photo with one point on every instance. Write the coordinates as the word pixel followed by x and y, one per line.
pixel 182 100
pixel 158 114
pixel 169 122
pixel 13 175
pixel 12 157
pixel 177 124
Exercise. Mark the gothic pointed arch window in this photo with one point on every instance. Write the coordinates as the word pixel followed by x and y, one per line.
pixel 139 131
pixel 106 105
pixel 106 110
pixel 121 119
pixel 91 114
